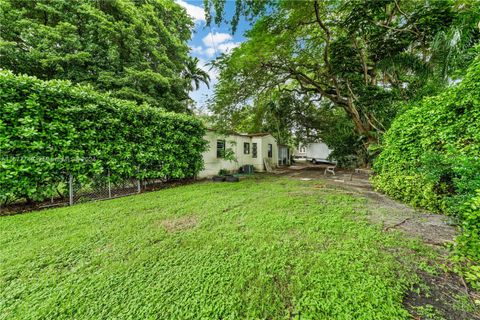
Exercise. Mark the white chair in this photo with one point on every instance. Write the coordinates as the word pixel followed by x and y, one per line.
pixel 330 169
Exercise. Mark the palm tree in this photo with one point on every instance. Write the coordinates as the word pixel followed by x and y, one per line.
pixel 195 74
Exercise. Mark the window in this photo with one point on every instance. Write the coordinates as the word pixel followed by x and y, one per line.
pixel 254 150
pixel 270 150
pixel 302 150
pixel 220 148
pixel 246 148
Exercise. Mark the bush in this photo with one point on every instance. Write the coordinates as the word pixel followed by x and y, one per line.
pixel 50 129
pixel 469 241
pixel 431 156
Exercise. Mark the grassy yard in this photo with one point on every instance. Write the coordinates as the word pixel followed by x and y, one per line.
pixel 268 248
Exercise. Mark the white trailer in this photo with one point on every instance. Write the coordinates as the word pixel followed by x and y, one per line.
pixel 317 152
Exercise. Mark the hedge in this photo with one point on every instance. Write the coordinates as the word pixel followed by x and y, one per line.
pixel 431 157
pixel 431 153
pixel 51 129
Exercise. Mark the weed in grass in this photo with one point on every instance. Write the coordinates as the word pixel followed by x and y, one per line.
pixel 428 312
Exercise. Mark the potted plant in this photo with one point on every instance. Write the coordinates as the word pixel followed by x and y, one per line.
pixel 221 175
pixel 225 175
pixel 231 178
pixel 229 155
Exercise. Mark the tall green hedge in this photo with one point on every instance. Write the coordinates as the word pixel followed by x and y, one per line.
pixel 431 153
pixel 431 158
pixel 50 129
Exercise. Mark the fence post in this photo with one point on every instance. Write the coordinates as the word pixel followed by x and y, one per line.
pixel 70 189
pixel 109 185
pixel 139 186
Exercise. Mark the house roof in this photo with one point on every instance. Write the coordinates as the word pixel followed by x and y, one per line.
pixel 258 134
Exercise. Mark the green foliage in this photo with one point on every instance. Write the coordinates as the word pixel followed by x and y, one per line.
pixel 470 239
pixel 468 243
pixel 276 112
pixel 135 49
pixel 333 126
pixel 260 249
pixel 228 153
pixel 223 172
pixel 358 56
pixel 50 129
pixel 428 312
pixel 431 156
pixel 214 10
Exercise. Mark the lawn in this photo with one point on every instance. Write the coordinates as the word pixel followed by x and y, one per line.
pixel 268 248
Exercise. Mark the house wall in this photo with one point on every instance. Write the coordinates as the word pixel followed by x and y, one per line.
pixel 212 164
pixel 258 161
pixel 270 140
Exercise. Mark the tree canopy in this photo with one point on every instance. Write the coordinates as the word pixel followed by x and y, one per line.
pixel 136 49
pixel 363 57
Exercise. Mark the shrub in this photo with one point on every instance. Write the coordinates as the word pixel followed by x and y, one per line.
pixel 469 241
pixel 50 129
pixel 431 156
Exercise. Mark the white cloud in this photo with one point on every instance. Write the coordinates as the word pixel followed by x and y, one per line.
pixel 197 13
pixel 227 46
pixel 215 43
pixel 202 51
pixel 214 39
pixel 209 52
pixel 196 49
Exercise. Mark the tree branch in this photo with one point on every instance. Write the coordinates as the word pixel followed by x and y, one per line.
pixel 326 51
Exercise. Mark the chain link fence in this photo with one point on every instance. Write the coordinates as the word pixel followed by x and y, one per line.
pixel 101 187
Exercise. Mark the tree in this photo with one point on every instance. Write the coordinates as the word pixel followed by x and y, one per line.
pixel 246 8
pixel 195 75
pixel 136 49
pixel 283 113
pixel 361 56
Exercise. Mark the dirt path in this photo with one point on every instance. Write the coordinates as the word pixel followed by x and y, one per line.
pixel 434 229
pixel 445 291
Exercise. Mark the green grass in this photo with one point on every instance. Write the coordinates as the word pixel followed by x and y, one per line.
pixel 268 248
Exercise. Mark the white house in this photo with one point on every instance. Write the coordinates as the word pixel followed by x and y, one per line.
pixel 248 149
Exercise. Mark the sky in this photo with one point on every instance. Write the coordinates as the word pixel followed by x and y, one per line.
pixel 207 43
